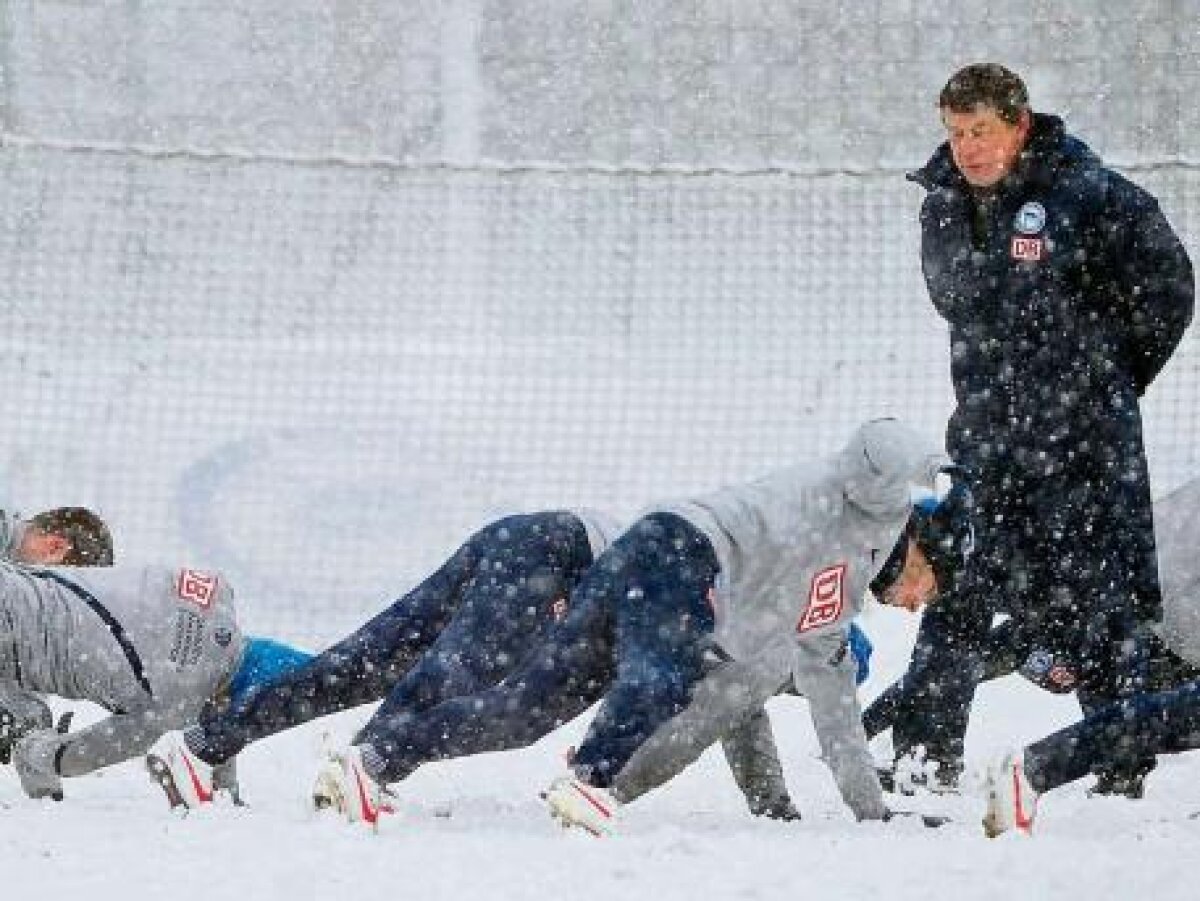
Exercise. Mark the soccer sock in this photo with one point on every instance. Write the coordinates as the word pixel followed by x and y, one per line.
pixel 372 762
pixel 193 739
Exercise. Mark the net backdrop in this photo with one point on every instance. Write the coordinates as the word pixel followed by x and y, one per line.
pixel 308 292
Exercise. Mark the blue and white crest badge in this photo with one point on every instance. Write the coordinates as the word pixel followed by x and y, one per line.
pixel 1030 218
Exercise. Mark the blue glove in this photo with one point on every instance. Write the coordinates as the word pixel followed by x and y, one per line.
pixel 861 648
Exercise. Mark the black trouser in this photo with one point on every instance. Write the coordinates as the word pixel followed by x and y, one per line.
pixel 1072 560
pixel 1166 721
pixel 929 705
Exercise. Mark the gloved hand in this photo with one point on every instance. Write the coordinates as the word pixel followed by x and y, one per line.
pixel 1124 774
pixel 915 772
pixel 1131 785
pixel 953 488
pixel 861 648
pixel 24 717
pixel 225 781
pixel 775 807
pixel 952 523
pixel 35 757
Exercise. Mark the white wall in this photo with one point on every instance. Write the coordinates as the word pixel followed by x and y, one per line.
pixel 738 83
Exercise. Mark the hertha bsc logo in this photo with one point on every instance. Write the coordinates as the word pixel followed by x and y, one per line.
pixel 826 597
pixel 1030 218
pixel 198 587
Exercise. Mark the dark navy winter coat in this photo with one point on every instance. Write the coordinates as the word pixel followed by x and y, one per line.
pixel 1066 292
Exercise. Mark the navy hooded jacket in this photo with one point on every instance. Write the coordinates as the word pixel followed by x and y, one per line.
pixel 1066 292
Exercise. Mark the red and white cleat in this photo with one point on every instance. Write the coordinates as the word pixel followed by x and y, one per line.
pixel 186 780
pixel 575 803
pixel 1011 800
pixel 344 785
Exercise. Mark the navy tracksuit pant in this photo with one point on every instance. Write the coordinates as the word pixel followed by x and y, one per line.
pixel 463 628
pixel 1166 722
pixel 638 627
pixel 930 704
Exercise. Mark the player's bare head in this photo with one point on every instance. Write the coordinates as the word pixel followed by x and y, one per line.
pixel 985 110
pixel 916 585
pixel 988 85
pixel 66 536
pixel 928 557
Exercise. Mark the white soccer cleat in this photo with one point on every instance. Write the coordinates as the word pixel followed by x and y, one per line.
pixel 344 785
pixel 575 803
pixel 186 779
pixel 1011 800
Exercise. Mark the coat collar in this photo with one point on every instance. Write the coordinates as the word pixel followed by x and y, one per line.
pixel 1047 153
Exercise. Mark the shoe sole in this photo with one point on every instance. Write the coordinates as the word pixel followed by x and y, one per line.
pixel 161 773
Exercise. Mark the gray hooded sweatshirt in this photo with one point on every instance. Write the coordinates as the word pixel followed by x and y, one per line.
pixel 28 709
pixel 151 644
pixel 797 551
pixel 1177 535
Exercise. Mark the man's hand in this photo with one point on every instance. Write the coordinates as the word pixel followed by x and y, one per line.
pixel 16 723
pixel 777 807
pixel 35 757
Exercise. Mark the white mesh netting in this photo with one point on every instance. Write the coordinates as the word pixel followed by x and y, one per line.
pixel 253 316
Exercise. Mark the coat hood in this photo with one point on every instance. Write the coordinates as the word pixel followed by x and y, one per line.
pixel 881 464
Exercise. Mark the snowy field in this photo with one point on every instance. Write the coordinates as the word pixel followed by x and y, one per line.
pixel 475 828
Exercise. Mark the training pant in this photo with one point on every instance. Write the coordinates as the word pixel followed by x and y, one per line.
pixel 463 628
pixel 640 616
pixel 1140 727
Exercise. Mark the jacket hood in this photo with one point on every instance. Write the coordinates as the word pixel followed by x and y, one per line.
pixel 1048 151
pixel 882 462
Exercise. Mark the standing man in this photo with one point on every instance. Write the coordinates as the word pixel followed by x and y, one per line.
pixel 1065 291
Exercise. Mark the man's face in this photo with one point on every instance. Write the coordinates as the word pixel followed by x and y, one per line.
pixel 985 147
pixel 41 548
pixel 917 584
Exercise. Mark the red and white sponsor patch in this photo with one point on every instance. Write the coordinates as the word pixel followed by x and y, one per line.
pixel 826 598
pixel 1061 676
pixel 1028 250
pixel 198 587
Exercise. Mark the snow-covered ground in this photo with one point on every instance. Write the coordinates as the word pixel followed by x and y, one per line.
pixel 476 828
